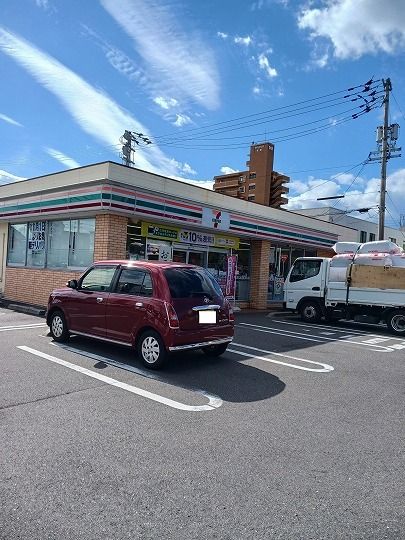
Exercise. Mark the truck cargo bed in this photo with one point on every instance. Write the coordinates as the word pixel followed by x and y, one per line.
pixel 370 285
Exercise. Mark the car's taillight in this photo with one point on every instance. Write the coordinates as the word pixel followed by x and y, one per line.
pixel 172 316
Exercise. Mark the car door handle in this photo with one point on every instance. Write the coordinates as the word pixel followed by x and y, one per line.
pixel 138 304
pixel 316 288
pixel 99 300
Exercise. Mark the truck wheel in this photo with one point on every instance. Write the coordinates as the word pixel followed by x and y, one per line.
pixel 310 312
pixel 396 322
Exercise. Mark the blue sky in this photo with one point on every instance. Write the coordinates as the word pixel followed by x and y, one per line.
pixel 77 74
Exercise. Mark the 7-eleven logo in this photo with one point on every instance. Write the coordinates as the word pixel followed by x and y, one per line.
pixel 216 220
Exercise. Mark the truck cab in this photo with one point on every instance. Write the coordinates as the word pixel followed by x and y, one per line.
pixel 305 287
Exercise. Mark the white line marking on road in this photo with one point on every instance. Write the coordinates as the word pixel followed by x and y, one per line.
pixel 119 384
pixel 214 400
pixel 352 331
pixel 327 333
pixel 398 346
pixel 21 327
pixel 319 339
pixel 326 368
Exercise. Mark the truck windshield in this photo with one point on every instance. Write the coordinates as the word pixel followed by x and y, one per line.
pixel 305 269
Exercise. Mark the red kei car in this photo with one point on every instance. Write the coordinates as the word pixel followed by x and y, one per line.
pixel 153 306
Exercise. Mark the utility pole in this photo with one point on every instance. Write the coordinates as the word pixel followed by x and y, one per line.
pixel 381 213
pixel 386 141
pixel 126 140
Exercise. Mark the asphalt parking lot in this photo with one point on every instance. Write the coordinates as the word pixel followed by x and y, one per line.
pixel 295 433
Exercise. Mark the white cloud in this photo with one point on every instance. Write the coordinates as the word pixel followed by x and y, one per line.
pixel 44 4
pixel 118 59
pixel 222 35
pixel 188 170
pixel 228 170
pixel 165 103
pixel 264 64
pixel 357 27
pixel 182 169
pixel 260 4
pixel 180 61
pixel 10 120
pixel 206 184
pixel 256 90
pixel 69 162
pixel 8 178
pixel 362 194
pixel 182 120
pixel 243 40
pixel 94 111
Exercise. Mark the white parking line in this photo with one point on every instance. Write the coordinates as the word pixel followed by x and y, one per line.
pixel 325 368
pixel 214 401
pixel 21 327
pixel 318 338
pixel 122 385
pixel 350 331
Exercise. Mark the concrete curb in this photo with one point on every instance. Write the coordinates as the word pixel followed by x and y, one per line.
pixel 29 310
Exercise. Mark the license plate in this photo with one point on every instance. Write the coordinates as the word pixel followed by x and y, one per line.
pixel 207 317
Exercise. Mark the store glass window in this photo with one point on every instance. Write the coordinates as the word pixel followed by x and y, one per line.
pixel 81 247
pixel 17 244
pixel 54 244
pixel 58 244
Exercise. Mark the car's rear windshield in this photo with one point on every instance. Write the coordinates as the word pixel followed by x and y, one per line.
pixel 191 282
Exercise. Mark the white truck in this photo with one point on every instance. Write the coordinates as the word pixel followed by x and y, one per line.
pixel 370 294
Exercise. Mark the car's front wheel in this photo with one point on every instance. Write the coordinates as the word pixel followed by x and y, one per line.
pixel 215 350
pixel 58 327
pixel 152 350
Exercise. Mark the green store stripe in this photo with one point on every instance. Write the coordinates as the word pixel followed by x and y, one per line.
pixel 40 205
pixel 171 209
pixel 271 230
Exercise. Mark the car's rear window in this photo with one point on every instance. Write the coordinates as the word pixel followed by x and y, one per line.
pixel 191 282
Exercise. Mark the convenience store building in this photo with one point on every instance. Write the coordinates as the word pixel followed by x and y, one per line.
pixel 54 226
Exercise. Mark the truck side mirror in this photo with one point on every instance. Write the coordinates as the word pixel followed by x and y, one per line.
pixel 72 283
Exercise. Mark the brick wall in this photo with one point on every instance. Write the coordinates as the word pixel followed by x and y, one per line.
pixel 111 237
pixel 32 286
pixel 259 273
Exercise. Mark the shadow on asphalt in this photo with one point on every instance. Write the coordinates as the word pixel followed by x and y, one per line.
pixel 228 378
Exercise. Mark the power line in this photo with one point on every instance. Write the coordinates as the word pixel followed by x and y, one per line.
pixel 275 117
pixel 366 87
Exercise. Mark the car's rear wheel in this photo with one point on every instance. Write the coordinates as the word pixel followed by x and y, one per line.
pixel 58 327
pixel 152 350
pixel 215 350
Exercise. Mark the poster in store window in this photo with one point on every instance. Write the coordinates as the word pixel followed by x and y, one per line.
pixel 36 236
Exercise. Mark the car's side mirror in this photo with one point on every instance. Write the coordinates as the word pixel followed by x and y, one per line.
pixel 72 283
